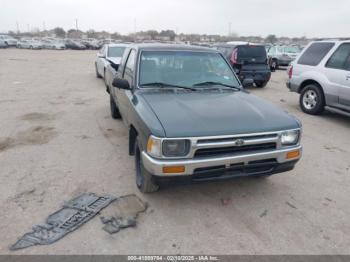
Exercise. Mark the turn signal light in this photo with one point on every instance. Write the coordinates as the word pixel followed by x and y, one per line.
pixel 173 169
pixel 293 154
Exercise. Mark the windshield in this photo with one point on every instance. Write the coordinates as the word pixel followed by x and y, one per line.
pixel 185 68
pixel 116 51
pixel 291 49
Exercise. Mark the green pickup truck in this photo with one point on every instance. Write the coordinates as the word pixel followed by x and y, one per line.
pixel 189 117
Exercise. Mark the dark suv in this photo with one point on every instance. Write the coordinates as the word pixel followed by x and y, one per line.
pixel 248 61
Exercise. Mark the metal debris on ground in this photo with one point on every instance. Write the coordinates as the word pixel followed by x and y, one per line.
pixel 71 216
pixel 123 213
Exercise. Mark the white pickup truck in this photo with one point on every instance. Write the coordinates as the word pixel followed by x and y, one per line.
pixel 109 54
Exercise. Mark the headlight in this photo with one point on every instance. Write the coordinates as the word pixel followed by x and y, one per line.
pixel 154 147
pixel 176 148
pixel 290 137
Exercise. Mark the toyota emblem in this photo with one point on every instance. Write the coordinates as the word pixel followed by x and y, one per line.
pixel 239 142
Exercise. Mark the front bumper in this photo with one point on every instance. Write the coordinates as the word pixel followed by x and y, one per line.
pixel 192 166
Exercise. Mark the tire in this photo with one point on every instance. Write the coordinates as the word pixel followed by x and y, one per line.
pixel 144 180
pixel 274 65
pixel 97 74
pixel 261 84
pixel 104 77
pixel 114 109
pixel 312 100
pixel 31 47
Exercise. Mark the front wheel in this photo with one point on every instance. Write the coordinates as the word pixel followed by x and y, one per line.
pixel 312 100
pixel 114 109
pixel 104 78
pixel 144 180
pixel 97 74
pixel 274 65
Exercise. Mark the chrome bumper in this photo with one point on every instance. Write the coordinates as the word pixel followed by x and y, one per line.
pixel 155 166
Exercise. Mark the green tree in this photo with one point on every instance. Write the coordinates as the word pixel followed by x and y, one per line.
pixel 59 32
pixel 170 33
pixel 152 34
pixel 116 36
pixel 271 39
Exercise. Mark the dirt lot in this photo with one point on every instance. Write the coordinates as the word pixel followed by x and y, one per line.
pixel 57 140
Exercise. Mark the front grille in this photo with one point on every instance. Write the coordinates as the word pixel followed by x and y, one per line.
pixel 259 167
pixel 223 151
pixel 230 139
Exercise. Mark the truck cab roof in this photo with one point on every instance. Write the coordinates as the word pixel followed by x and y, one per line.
pixel 170 47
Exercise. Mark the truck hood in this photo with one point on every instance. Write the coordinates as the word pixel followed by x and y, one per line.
pixel 212 113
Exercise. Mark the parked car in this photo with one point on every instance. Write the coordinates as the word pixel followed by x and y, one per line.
pixel 71 44
pixel 53 44
pixel 282 56
pixel 321 75
pixel 3 44
pixel 93 45
pixel 181 105
pixel 248 61
pixel 8 40
pixel 108 54
pixel 30 44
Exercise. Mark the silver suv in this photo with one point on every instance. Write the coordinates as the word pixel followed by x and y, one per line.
pixel 321 75
pixel 281 56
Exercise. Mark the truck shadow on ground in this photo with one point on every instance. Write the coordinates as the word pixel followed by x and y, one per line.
pixel 218 193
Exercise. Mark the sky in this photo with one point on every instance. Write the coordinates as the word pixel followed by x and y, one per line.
pixel 292 18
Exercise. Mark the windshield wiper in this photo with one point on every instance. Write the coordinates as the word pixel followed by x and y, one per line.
pixel 161 84
pixel 212 83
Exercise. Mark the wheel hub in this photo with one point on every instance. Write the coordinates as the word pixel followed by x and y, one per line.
pixel 310 99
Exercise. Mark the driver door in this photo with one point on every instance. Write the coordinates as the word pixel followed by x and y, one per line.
pixel 125 96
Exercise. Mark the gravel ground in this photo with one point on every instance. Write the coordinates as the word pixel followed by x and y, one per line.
pixel 57 140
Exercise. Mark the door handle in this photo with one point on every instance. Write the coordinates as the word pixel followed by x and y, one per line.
pixel 348 77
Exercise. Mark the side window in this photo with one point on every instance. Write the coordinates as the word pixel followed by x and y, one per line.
pixel 347 64
pixel 130 67
pixel 340 57
pixel 315 53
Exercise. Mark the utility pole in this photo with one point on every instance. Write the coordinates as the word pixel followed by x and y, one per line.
pixel 229 28
pixel 134 29
pixel 76 24
pixel 44 29
pixel 28 28
pixel 17 27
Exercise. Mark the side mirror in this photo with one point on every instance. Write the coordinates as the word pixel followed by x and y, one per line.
pixel 121 83
pixel 248 82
